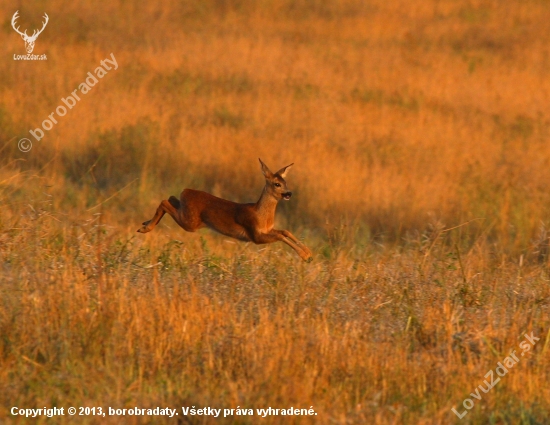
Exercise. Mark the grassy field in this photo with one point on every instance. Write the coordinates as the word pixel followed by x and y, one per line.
pixel 419 133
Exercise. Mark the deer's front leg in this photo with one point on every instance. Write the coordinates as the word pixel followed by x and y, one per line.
pixel 304 252
pixel 278 235
pixel 289 235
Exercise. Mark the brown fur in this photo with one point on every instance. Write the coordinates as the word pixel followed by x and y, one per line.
pixel 245 222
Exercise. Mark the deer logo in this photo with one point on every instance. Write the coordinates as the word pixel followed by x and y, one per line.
pixel 246 222
pixel 29 39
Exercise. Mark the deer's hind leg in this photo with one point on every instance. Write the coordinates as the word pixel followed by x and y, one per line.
pixel 170 206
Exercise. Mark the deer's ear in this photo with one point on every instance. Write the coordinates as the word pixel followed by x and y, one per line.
pixel 282 172
pixel 265 170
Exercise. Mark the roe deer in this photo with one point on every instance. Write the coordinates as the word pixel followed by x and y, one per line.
pixel 246 222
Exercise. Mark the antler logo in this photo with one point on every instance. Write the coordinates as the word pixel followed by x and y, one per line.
pixel 29 40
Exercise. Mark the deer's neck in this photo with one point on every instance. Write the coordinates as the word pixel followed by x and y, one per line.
pixel 266 206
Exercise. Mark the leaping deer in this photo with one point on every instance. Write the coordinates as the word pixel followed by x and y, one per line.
pixel 29 40
pixel 245 222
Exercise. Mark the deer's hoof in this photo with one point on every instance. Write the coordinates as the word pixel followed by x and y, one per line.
pixel 309 259
pixel 144 228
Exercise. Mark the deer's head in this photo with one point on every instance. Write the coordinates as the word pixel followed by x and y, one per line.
pixel 275 183
pixel 29 39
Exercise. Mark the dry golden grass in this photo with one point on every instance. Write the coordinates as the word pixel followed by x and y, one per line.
pixel 420 138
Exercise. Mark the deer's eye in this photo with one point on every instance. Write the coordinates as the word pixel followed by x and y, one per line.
pixel 277 185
